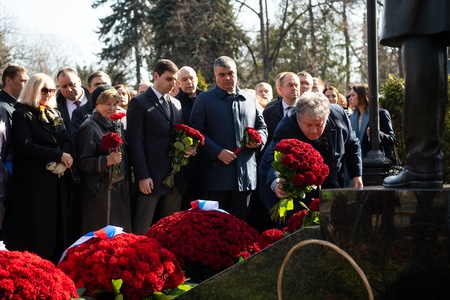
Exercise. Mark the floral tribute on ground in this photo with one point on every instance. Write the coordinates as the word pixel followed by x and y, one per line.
pixel 133 266
pixel 24 275
pixel 205 242
pixel 303 170
pixel 185 139
pixel 310 216
pixel 250 135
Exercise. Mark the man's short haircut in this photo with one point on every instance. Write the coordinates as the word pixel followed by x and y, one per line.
pixel 64 71
pixel 314 105
pixel 96 74
pixel 224 61
pixel 164 65
pixel 283 77
pixel 11 72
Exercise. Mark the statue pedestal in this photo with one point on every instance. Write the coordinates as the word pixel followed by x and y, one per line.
pixel 399 238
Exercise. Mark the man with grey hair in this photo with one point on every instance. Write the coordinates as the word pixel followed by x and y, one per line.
pixel 327 128
pixel 221 114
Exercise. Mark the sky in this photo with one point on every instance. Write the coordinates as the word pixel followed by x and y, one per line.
pixel 71 21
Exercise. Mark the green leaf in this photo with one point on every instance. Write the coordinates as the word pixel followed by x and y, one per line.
pixel 188 142
pixel 116 285
pixel 119 297
pixel 179 145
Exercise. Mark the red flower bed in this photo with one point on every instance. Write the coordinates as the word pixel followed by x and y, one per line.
pixel 205 242
pixel 141 263
pixel 25 275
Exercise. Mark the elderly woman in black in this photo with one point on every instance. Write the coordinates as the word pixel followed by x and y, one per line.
pixel 37 217
pixel 105 190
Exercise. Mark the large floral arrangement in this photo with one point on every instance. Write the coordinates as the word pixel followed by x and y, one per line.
pixel 205 241
pixel 185 139
pixel 302 168
pixel 250 135
pixel 133 266
pixel 25 275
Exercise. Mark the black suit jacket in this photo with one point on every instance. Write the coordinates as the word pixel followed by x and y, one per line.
pixel 150 136
pixel 273 113
pixel 62 108
pixel 186 104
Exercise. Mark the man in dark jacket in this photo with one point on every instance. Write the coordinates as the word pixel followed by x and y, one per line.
pixel 187 81
pixel 151 116
pixel 422 29
pixel 221 114
pixel 327 128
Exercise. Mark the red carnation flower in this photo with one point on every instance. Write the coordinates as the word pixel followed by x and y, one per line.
pixel 117 116
pixel 111 141
pixel 269 237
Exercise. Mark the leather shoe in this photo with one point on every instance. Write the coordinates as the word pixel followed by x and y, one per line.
pixel 408 178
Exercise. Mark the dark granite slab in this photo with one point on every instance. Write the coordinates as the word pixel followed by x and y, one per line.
pixel 399 238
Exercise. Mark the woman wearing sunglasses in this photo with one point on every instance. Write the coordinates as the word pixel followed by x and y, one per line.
pixel 36 218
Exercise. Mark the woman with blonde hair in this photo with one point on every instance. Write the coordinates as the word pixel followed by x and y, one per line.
pixel 36 220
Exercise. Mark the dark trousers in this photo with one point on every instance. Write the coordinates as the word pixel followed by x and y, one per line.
pixel 147 207
pixel 234 202
pixel 425 70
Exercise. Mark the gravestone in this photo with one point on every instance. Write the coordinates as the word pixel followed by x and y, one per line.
pixel 399 238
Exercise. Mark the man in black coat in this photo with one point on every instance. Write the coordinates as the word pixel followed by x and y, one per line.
pixel 422 29
pixel 187 81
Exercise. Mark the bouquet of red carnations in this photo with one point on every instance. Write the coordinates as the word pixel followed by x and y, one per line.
pixel 186 138
pixel 133 266
pixel 309 216
pixel 250 135
pixel 303 170
pixel 112 142
pixel 25 275
pixel 205 241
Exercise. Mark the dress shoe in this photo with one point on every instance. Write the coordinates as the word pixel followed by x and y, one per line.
pixel 412 179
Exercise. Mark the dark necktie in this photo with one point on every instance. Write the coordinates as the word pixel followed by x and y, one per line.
pixel 77 103
pixel 165 105
pixel 288 110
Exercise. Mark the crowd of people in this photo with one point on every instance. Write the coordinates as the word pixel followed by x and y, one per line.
pixel 59 181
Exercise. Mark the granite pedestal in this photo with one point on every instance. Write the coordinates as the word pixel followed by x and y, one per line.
pixel 399 238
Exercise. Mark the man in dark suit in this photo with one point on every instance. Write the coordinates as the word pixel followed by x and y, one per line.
pixel 71 95
pixel 221 114
pixel 327 128
pixel 13 78
pixel 289 91
pixel 187 81
pixel 422 29
pixel 150 135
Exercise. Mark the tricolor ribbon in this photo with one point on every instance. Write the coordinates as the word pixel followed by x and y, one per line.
pixel 104 233
pixel 206 205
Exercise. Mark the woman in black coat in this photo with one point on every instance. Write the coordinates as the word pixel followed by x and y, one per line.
pixel 105 184
pixel 37 217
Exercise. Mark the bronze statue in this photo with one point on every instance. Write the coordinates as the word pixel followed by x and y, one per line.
pixel 422 29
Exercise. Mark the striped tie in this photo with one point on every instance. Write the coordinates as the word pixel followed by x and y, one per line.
pixel 165 105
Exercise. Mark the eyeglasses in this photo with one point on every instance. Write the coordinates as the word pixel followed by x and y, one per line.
pixel 45 91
